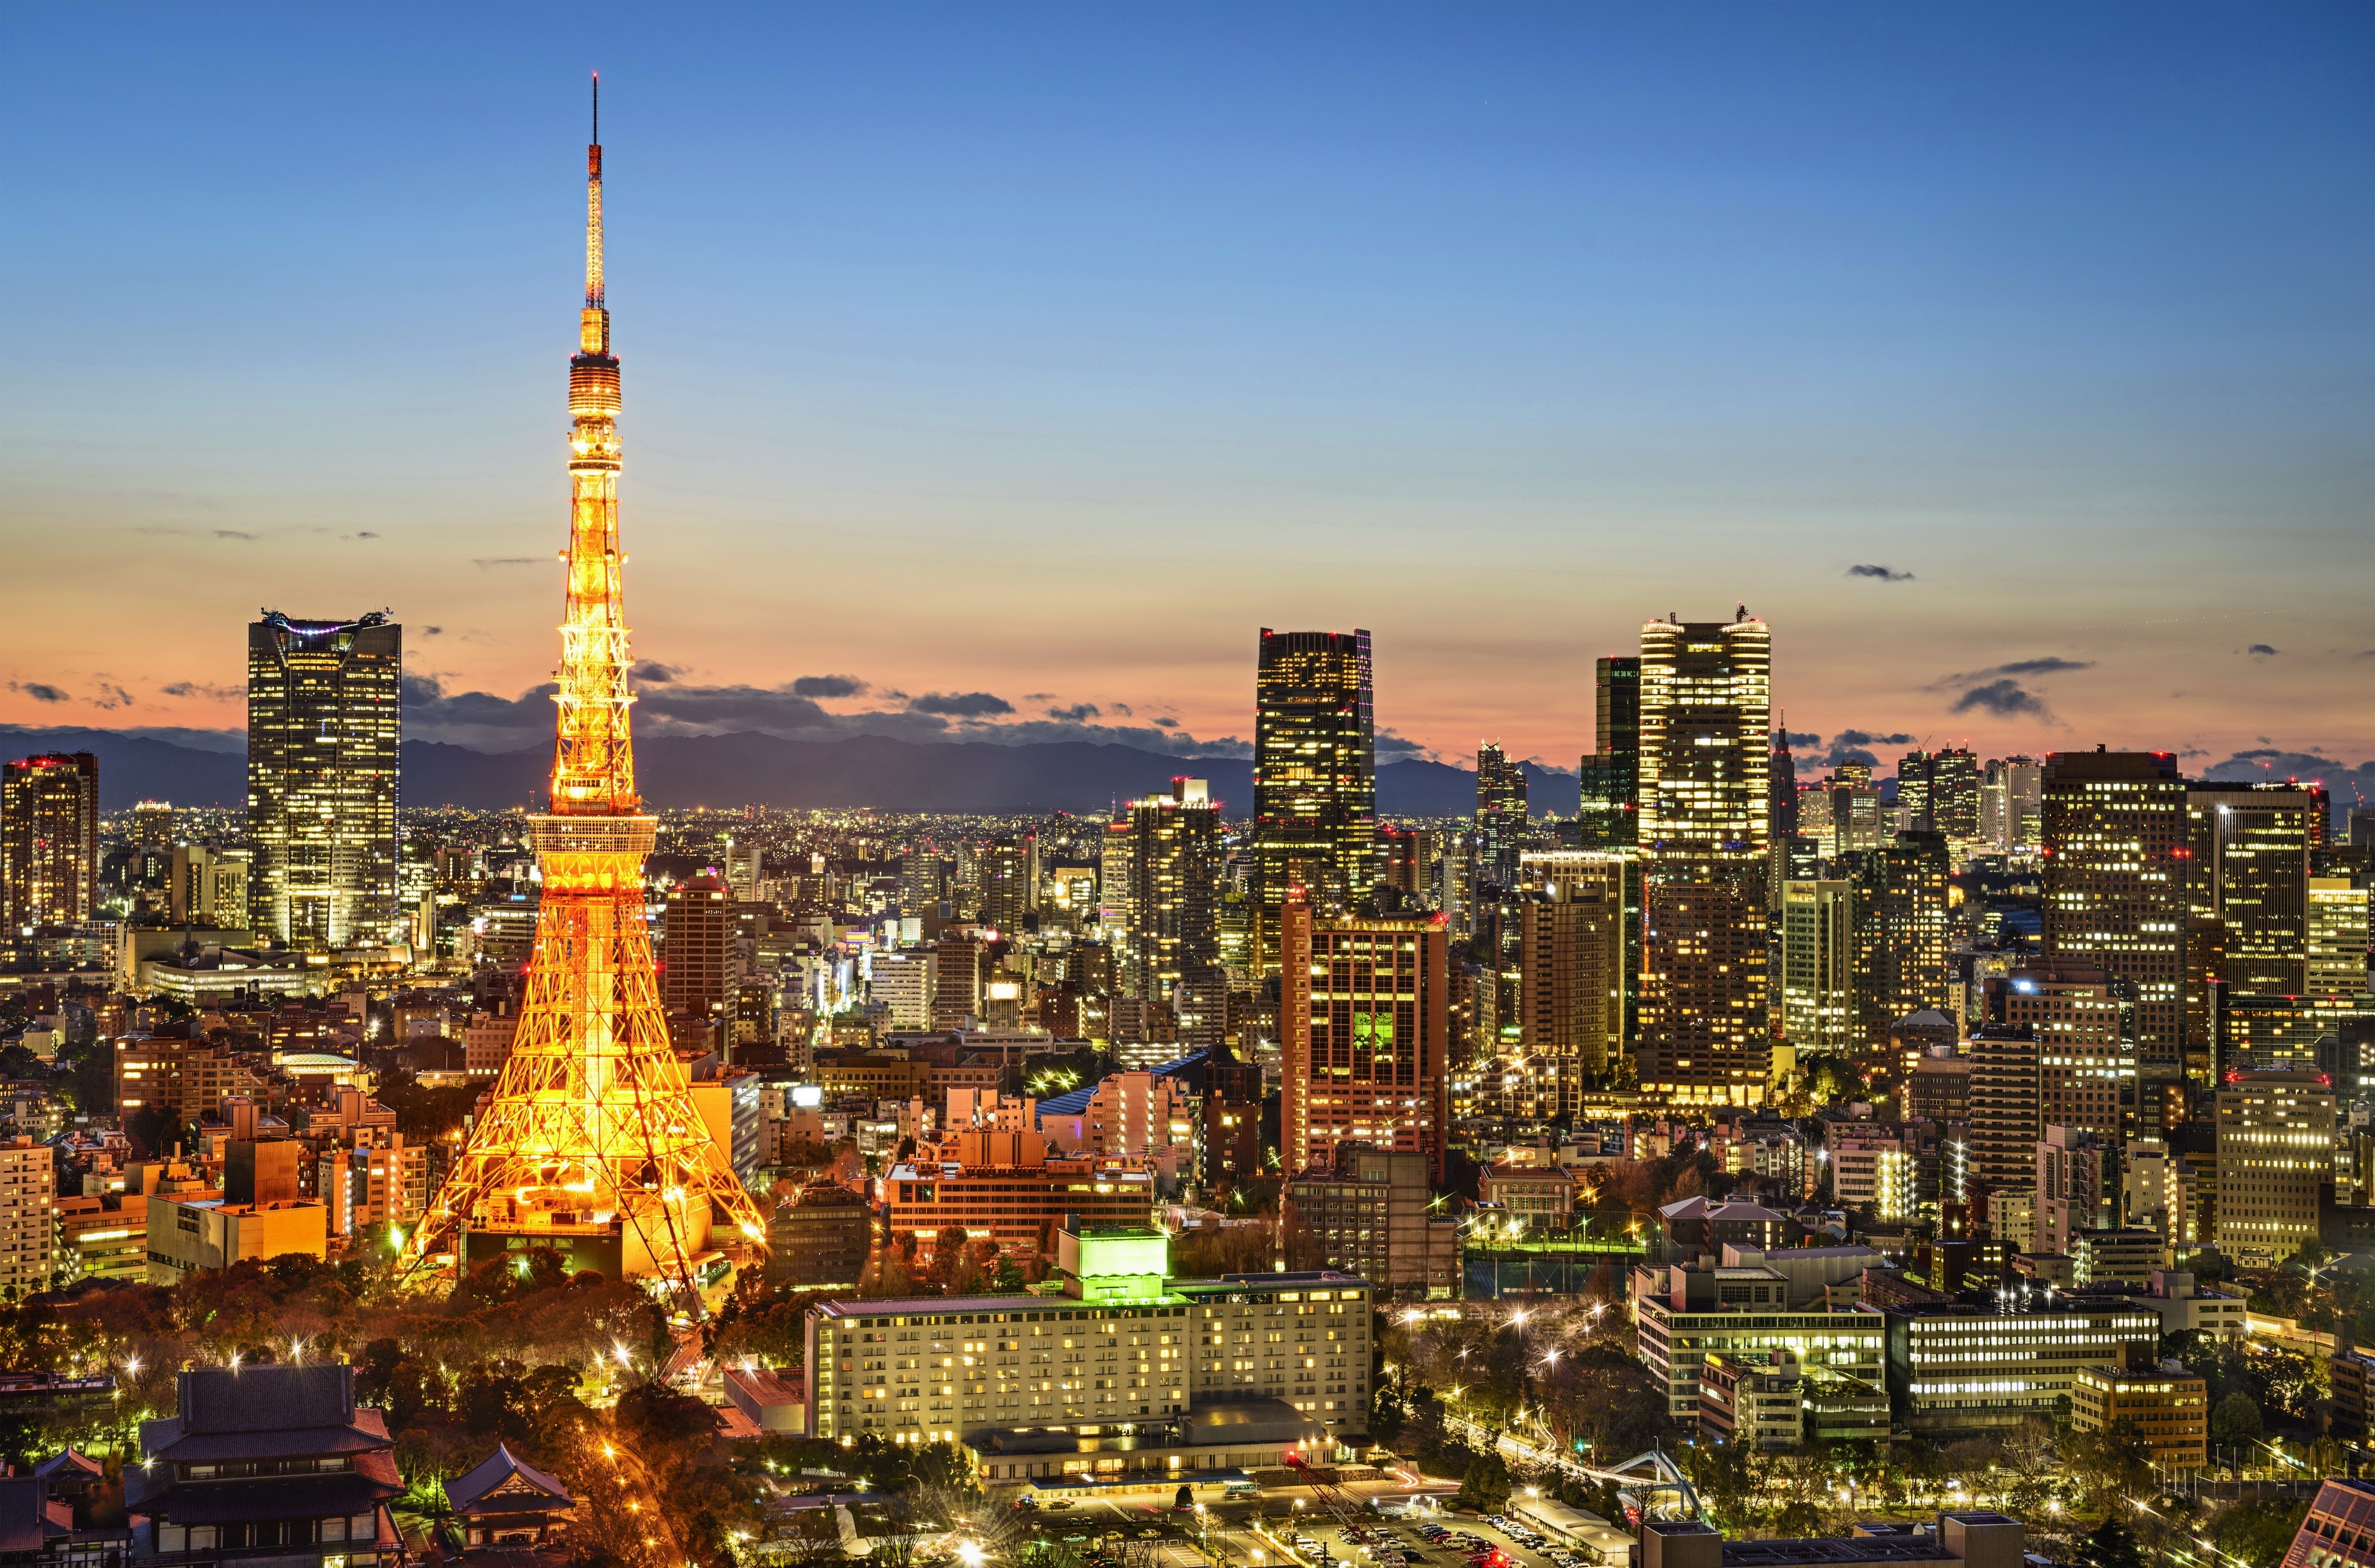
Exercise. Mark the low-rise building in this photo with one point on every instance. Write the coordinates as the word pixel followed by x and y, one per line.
pixel 1751 1399
pixel 185 1236
pixel 2339 1530
pixel 1676 1337
pixel 102 1238
pixel 1989 1361
pixel 503 1504
pixel 274 1465
pixel 2134 1256
pixel 28 1185
pixel 1128 1368
pixel 1010 1188
pixel 2353 1401
pixel 820 1238
pixel 1533 1197
pixel 2168 1406
pixel 1979 1540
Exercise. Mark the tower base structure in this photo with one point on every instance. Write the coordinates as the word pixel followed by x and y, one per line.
pixel 591 1144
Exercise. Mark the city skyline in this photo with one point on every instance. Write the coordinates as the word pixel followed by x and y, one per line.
pixel 1997 472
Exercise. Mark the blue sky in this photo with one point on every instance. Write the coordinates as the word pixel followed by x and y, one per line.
pixel 1049 352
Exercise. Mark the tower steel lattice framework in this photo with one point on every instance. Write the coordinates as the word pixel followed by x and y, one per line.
pixel 592 1131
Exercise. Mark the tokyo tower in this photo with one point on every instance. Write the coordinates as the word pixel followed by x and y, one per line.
pixel 592 1145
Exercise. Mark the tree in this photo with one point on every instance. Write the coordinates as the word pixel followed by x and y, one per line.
pixel 2235 1420
pixel 1487 1485
pixel 2109 1545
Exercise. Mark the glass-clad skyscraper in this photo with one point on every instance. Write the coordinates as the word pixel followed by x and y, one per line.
pixel 1315 775
pixel 325 721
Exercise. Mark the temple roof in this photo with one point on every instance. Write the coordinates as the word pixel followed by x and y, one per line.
pixel 488 1487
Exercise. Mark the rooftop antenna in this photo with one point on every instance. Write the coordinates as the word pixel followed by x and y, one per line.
pixel 597 108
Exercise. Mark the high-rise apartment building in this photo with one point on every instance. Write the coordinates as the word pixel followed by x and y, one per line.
pixel 1707 714
pixel 324 722
pixel 2114 822
pixel 1500 815
pixel 2276 1145
pixel 1363 1035
pixel 2246 863
pixel 1572 979
pixel 2337 937
pixel 2005 1124
pixel 1900 933
pixel 49 840
pixel 1818 967
pixel 1611 809
pixel 696 959
pixel 29 1193
pixel 1315 777
pixel 1174 890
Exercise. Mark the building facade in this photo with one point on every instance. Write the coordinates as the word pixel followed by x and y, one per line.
pixel 324 728
pixel 1572 984
pixel 2275 1147
pixel 49 840
pixel 1363 1036
pixel 2114 823
pixel 1315 777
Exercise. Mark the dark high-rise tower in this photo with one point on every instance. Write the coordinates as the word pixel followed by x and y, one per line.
pixel 2114 828
pixel 1314 776
pixel 49 840
pixel 325 726
pixel 1610 806
pixel 1500 816
pixel 1174 890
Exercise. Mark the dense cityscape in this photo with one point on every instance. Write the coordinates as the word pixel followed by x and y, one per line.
pixel 1791 1156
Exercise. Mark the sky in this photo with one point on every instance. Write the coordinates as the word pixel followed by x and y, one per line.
pixel 1001 370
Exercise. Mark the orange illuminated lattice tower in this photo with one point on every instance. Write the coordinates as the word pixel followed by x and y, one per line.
pixel 592 1144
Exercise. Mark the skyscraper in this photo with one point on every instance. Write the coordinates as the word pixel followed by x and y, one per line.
pixel 1818 967
pixel 1782 812
pixel 591 1144
pixel 2275 1147
pixel 1941 790
pixel 2008 804
pixel 1500 815
pixel 696 957
pixel 2114 823
pixel 1010 881
pixel 1174 890
pixel 49 840
pixel 1363 1035
pixel 1705 837
pixel 1900 925
pixel 325 730
pixel 2246 864
pixel 1314 776
pixel 1572 981
pixel 1610 774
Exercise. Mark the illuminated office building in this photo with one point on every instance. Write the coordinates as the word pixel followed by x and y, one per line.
pixel 1610 774
pixel 2337 937
pixel 1705 838
pixel 1941 790
pixel 1314 776
pixel 1174 890
pixel 1818 967
pixel 325 725
pixel 2114 823
pixel 2085 1058
pixel 2276 1145
pixel 2009 805
pixel 1572 979
pixel 49 840
pixel 1901 932
pixel 1363 1035
pixel 697 969
pixel 2246 861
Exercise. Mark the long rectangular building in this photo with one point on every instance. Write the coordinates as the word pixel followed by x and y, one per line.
pixel 1126 1359
pixel 1006 1186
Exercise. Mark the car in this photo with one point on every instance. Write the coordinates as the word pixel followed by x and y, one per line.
pixel 1058 1505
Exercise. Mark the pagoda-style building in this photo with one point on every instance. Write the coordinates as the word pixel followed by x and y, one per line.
pixel 273 1466
pixel 506 1504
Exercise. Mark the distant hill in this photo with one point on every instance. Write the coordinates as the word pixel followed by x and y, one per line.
pixel 734 770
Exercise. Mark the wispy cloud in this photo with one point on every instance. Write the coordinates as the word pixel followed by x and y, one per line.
pixel 959 704
pixel 1880 573
pixel 2261 651
pixel 485 560
pixel 827 686
pixel 200 689
pixel 39 691
pixel 2004 699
